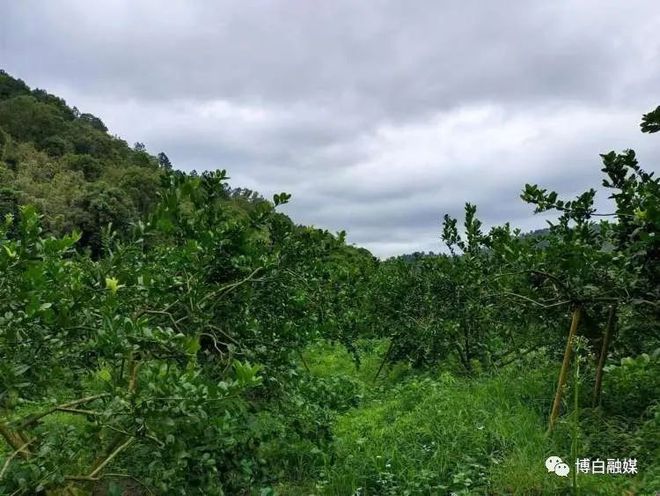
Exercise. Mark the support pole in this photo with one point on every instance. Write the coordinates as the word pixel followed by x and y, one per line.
pixel 556 405
pixel 609 330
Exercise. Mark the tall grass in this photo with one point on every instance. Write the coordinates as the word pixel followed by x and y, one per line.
pixel 437 433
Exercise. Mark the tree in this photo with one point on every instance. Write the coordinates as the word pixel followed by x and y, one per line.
pixel 27 119
pixel 11 87
pixel 93 121
pixel 57 146
pixel 651 121
pixel 164 161
pixel 101 206
pixel 91 167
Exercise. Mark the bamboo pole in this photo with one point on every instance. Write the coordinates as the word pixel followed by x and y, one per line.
pixel 607 336
pixel 387 355
pixel 556 405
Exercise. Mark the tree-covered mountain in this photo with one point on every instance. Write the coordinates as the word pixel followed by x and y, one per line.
pixel 67 164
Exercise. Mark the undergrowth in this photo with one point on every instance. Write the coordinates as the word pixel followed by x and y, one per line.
pixel 437 432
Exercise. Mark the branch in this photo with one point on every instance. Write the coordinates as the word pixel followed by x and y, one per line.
pixel 507 293
pixel 205 400
pixel 79 411
pixel 517 273
pixel 302 359
pixel 12 456
pixel 387 355
pixel 517 357
pixel 215 341
pixel 132 477
pixel 229 287
pixel 216 328
pixel 64 407
pixel 93 474
pixel 163 312
pixel 637 301
pixel 87 478
pixel 14 439
pixel 133 375
pixel 554 278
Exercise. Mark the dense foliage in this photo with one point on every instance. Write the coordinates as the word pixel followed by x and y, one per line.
pixel 65 163
pixel 163 333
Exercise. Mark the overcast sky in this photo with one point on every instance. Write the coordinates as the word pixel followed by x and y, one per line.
pixel 377 116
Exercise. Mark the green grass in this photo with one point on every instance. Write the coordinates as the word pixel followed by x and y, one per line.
pixel 440 434
pixel 326 360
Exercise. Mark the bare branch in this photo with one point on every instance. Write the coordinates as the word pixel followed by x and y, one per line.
pixel 32 419
pixel 79 411
pixel 112 455
pixel 229 287
pixel 530 300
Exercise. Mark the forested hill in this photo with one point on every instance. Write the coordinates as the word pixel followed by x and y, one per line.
pixel 67 164
pixel 79 176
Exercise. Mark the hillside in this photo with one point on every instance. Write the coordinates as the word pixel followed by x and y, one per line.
pixel 66 164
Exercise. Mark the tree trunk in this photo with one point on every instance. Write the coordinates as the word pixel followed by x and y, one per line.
pixel 16 440
pixel 607 336
pixel 577 312
pixel 468 352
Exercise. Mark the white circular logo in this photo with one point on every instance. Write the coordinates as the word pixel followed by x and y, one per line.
pixel 556 465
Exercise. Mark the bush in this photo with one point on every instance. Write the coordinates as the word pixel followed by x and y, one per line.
pixel 631 387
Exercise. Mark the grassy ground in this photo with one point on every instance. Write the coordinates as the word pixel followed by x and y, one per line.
pixel 439 433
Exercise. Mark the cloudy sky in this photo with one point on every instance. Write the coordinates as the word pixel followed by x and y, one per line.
pixel 378 116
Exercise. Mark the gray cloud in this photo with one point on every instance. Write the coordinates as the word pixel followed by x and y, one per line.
pixel 378 116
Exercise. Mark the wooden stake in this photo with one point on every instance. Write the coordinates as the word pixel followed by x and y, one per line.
pixel 556 405
pixel 387 355
pixel 607 336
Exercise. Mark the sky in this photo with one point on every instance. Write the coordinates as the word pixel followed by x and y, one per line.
pixel 377 116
